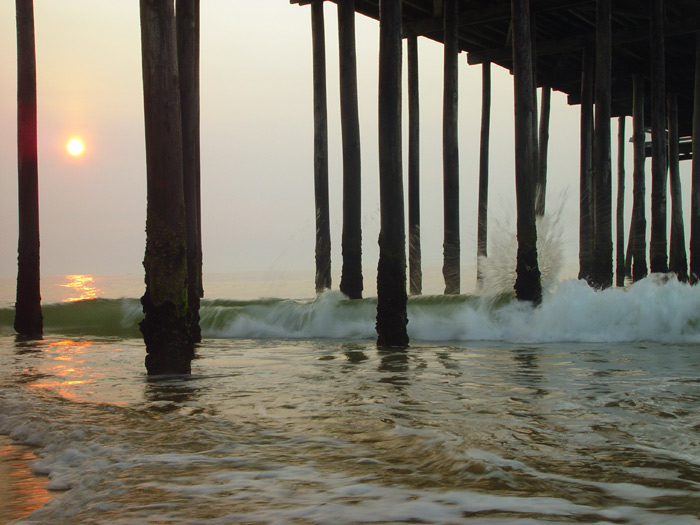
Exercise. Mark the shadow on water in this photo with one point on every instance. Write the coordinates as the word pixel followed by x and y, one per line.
pixel 28 345
pixel 169 393
pixel 527 371
pixel 395 363
pixel 354 354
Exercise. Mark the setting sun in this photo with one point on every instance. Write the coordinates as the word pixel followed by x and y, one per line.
pixel 75 147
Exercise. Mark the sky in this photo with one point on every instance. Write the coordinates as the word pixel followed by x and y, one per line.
pixel 256 141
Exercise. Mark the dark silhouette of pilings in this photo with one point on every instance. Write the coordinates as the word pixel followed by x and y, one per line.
pixel 602 271
pixel 165 327
pixel 323 233
pixel 391 271
pixel 28 316
pixel 527 284
pixel 678 259
pixel 638 237
pixel 351 276
pixel 482 221
pixel 658 243
pixel 414 243
pixel 620 211
pixel 586 169
pixel 188 66
pixel 543 145
pixel 695 183
pixel 450 150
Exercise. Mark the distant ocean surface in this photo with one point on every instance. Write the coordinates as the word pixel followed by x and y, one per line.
pixel 584 410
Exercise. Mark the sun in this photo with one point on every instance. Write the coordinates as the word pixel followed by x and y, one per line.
pixel 75 147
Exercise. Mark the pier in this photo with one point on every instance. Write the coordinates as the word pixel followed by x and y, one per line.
pixel 612 59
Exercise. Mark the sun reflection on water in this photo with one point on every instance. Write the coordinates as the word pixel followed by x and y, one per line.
pixel 22 491
pixel 83 286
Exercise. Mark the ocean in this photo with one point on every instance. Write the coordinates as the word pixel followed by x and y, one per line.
pixel 584 410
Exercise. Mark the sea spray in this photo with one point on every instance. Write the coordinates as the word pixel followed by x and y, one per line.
pixel 498 268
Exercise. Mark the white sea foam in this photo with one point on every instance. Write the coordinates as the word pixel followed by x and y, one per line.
pixel 658 308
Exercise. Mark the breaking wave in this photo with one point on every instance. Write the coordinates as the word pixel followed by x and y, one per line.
pixel 658 308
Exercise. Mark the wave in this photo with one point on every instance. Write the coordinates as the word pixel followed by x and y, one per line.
pixel 658 309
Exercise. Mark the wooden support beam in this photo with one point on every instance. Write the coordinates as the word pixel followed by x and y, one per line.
pixel 639 222
pixel 430 26
pixel 577 42
pixel 602 239
pixel 678 260
pixel 28 317
pixel 450 152
pixel 695 184
pixel 658 245
pixel 527 285
pixel 586 168
pixel 323 233
pixel 543 145
pixel 620 212
pixel 165 327
pixel 482 222
pixel 414 242
pixel 351 278
pixel 391 272
pixel 187 17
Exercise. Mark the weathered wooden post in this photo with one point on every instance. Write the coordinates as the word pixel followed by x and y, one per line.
pixel 602 248
pixel 482 221
pixel 450 149
pixel 639 222
pixel 678 260
pixel 28 317
pixel 165 327
pixel 620 212
pixel 528 286
pixel 351 277
pixel 657 248
pixel 323 232
pixel 187 16
pixel 586 168
pixel 543 145
pixel 414 245
pixel 695 184
pixel 391 271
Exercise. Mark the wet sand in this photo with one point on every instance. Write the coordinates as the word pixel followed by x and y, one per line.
pixel 22 491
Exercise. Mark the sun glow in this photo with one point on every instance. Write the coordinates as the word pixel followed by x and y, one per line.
pixel 83 287
pixel 75 147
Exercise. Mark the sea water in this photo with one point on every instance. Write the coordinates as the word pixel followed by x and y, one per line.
pixel 584 410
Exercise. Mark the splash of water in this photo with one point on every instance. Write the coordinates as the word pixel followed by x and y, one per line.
pixel 497 270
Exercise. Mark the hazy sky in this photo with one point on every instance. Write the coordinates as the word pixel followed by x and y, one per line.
pixel 257 140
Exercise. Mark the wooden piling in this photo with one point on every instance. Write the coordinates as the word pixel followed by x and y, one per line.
pixel 351 277
pixel 414 243
pixel 28 316
pixel 620 212
pixel 678 260
pixel 658 243
pixel 586 169
pixel 639 221
pixel 187 16
pixel 482 221
pixel 450 155
pixel 695 184
pixel 543 145
pixel 528 286
pixel 391 272
pixel 165 303
pixel 602 248
pixel 323 232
